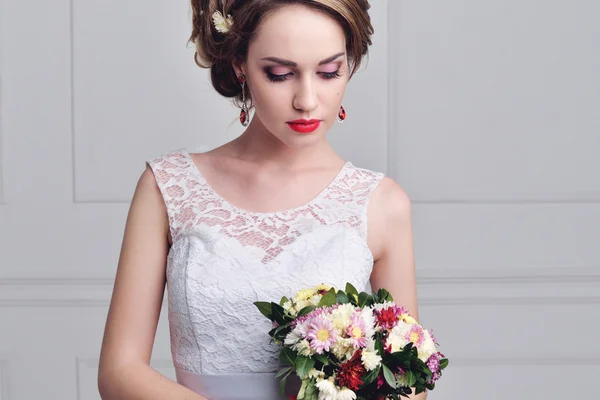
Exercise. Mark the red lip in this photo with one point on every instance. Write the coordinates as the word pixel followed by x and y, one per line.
pixel 304 125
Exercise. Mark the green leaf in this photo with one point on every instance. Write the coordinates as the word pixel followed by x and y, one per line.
pixel 278 314
pixel 443 363
pixel 264 308
pixel 280 332
pixel 328 299
pixel 302 392
pixel 351 290
pixel 389 377
pixel 322 358
pixel 306 310
pixel 288 356
pixel 342 298
pixel 304 365
pixel 284 371
pixel 375 297
pixel 365 300
pixel 410 378
pixel 282 384
pixel 418 364
pixel 283 300
pixel 312 392
pixel 384 295
pixel 371 376
pixel 401 359
pixel 379 346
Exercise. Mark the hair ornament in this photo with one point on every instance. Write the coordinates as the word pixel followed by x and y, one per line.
pixel 221 23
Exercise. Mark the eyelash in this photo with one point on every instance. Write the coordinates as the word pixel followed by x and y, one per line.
pixel 281 78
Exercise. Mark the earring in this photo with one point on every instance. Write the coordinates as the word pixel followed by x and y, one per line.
pixel 244 114
pixel 341 115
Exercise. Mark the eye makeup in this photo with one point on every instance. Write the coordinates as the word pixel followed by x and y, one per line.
pixel 279 74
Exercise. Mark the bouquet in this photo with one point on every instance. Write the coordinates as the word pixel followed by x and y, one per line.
pixel 346 345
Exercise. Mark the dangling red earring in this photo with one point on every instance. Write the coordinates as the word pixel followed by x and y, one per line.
pixel 244 117
pixel 341 115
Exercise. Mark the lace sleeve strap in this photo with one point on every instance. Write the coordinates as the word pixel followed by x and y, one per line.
pixel 171 174
pixel 363 184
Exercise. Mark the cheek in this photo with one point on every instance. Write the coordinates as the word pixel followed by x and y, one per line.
pixel 269 98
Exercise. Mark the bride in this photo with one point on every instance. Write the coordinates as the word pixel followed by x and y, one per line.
pixel 269 213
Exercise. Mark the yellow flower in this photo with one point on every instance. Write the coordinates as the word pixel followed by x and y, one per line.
pixel 304 295
pixel 407 319
pixel 323 286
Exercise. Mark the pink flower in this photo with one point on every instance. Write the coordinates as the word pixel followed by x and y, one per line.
pixel 356 331
pixel 416 335
pixel 321 334
pixel 316 313
pixel 434 366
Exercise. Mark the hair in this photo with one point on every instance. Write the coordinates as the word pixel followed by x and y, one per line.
pixel 219 51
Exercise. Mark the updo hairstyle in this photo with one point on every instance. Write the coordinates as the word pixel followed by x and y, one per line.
pixel 219 50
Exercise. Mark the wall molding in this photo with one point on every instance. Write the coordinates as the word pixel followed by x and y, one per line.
pixel 437 287
pixel 92 363
pixel 525 361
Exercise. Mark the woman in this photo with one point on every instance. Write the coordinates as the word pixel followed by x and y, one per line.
pixel 270 212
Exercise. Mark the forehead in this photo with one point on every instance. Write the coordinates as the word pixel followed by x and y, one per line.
pixel 299 34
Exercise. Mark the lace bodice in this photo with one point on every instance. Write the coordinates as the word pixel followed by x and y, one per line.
pixel 224 258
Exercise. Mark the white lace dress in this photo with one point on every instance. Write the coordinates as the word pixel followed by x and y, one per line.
pixel 224 258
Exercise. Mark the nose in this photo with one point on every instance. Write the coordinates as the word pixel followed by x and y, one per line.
pixel 306 98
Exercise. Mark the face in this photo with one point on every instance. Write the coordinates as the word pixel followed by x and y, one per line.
pixel 297 71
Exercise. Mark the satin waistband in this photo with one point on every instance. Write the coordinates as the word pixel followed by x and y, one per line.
pixel 248 386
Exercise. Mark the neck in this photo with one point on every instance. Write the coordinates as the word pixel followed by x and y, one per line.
pixel 260 146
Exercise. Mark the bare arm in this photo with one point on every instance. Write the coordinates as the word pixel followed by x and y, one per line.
pixel 124 370
pixel 390 218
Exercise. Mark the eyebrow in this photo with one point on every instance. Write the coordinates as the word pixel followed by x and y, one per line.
pixel 289 63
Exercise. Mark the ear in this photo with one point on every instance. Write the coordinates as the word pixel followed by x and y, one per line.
pixel 239 69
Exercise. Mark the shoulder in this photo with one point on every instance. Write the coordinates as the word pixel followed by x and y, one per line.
pixel 386 195
pixel 389 215
pixel 392 200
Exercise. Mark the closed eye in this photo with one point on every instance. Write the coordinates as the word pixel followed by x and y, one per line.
pixel 283 77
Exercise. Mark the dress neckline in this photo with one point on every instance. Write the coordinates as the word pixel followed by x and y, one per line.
pixel 322 193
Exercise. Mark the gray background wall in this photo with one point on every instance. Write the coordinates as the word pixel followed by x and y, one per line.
pixel 486 112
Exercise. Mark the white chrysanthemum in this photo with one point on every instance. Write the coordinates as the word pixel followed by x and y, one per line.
pixel 222 24
pixel 343 349
pixel 427 348
pixel 315 299
pixel 303 348
pixel 287 306
pixel 370 359
pixel 397 338
pixel 401 379
pixel 346 394
pixel 299 305
pixel 292 338
pixel 341 316
pixel 315 373
pixel 327 389
pixel 367 315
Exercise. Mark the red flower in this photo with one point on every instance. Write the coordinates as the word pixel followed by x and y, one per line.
pixel 350 372
pixel 388 317
pixel 380 380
